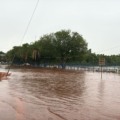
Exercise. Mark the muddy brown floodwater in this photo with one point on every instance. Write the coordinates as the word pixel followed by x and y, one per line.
pixel 34 94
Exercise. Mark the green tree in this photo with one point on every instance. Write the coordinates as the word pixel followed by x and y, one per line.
pixel 59 47
pixel 70 46
pixel 62 46
pixel 2 57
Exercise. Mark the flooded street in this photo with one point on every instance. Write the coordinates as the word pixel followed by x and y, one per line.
pixel 39 94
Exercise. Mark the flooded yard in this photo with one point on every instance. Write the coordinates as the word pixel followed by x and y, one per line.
pixel 39 94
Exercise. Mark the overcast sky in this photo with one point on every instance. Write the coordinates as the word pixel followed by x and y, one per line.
pixel 98 21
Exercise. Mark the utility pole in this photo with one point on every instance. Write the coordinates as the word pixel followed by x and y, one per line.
pixel 101 63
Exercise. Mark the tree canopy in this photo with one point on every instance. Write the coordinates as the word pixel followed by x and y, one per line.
pixel 56 47
pixel 60 48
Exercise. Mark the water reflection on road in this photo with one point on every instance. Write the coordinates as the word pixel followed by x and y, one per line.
pixel 35 94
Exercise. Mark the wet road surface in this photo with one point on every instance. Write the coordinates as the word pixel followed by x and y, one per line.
pixel 34 94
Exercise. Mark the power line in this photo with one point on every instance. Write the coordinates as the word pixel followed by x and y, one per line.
pixel 24 33
pixel 29 22
pixel 109 49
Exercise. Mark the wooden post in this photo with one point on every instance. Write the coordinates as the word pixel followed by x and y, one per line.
pixel 101 63
pixel 101 71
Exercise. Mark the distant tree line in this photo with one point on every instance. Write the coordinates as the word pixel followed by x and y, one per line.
pixel 2 57
pixel 61 48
